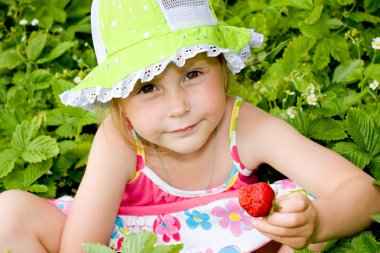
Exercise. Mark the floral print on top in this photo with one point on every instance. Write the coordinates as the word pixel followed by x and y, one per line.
pixel 209 221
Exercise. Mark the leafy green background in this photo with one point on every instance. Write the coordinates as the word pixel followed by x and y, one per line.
pixel 313 50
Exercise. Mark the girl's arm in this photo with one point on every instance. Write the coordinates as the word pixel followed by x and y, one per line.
pixel 345 195
pixel 110 165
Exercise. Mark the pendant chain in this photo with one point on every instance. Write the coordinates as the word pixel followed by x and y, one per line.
pixel 170 181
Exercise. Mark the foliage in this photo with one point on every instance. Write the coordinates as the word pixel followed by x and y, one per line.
pixel 318 70
pixel 44 47
pixel 142 242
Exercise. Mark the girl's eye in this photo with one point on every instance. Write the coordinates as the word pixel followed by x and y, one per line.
pixel 146 89
pixel 192 75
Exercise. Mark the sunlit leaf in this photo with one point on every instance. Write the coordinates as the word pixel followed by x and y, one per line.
pixel 35 46
pixel 40 148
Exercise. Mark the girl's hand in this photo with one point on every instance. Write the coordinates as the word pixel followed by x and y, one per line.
pixel 294 224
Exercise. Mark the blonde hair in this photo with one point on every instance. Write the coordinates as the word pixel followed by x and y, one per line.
pixel 120 118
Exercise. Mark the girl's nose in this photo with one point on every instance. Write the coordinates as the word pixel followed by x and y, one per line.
pixel 178 104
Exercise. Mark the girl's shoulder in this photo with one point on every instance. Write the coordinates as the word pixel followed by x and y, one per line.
pixel 111 149
pixel 258 132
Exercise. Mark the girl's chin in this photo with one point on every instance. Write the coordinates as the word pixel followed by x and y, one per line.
pixel 183 147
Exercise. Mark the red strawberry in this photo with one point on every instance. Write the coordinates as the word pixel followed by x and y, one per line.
pixel 257 199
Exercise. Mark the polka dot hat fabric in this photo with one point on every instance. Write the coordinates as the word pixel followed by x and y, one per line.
pixel 136 40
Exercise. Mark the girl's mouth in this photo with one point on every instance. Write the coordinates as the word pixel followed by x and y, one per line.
pixel 184 130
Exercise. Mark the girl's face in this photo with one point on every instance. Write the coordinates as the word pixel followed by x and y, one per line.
pixel 180 108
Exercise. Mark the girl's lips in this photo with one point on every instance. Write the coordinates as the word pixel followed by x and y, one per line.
pixel 184 130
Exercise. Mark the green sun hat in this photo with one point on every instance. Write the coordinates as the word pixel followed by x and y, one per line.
pixel 136 39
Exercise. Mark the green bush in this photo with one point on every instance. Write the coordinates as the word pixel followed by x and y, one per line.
pixel 318 69
pixel 44 50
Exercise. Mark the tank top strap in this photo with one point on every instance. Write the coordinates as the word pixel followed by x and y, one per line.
pixel 139 150
pixel 233 146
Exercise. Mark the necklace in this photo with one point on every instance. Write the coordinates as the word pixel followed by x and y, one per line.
pixel 170 181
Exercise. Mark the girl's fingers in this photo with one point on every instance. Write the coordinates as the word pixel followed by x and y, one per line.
pixel 288 220
pixel 267 228
pixel 292 202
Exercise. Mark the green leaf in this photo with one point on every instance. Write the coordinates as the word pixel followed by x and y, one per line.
pixel 365 242
pixel 305 250
pixel 22 135
pixel 345 2
pixel 314 15
pixel 57 51
pixel 139 243
pixel 321 56
pixel 57 13
pixel 35 46
pixel 40 148
pixel 37 188
pixel 327 129
pixel 83 26
pixel 338 100
pixel 373 72
pixel 375 167
pixel 335 23
pixel 349 73
pixel 8 2
pixel 353 152
pixel 96 248
pixel 317 30
pixel 78 8
pixel 301 123
pixel 25 179
pixel 8 121
pixel 364 131
pixel 376 217
pixel 10 59
pixel 40 79
pixel 8 159
pixel 364 17
pixel 59 86
pixel 143 242
pixel 371 5
pixel 69 129
pixel 338 246
pixel 339 48
pixel 294 53
pixel 301 4
pixel 82 151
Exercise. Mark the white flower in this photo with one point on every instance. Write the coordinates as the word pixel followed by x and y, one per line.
pixel 23 22
pixel 35 22
pixel 311 99
pixel 77 79
pixel 291 112
pixel 374 84
pixel 310 88
pixel 376 43
pixel 290 93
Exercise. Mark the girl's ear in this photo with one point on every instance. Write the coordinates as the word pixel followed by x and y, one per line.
pixel 225 73
pixel 127 122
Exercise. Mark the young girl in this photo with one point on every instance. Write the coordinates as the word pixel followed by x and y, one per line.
pixel 175 150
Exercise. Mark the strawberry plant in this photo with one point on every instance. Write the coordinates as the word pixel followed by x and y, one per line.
pixel 44 49
pixel 142 242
